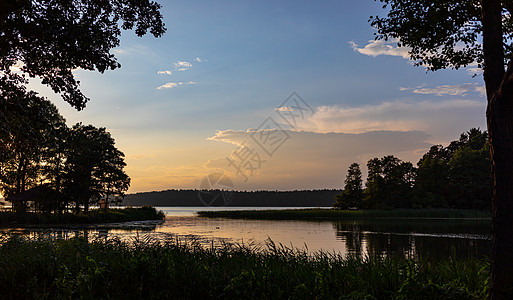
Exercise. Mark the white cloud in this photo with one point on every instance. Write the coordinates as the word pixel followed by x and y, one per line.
pixel 443 120
pixel 168 85
pixel 283 108
pixel 198 59
pixel 452 90
pixel 171 85
pixel 165 72
pixel 17 66
pixel 473 69
pixel 381 47
pixel 182 65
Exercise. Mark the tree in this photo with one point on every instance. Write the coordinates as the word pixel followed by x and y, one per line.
pixel 374 194
pixel 432 175
pixel 469 178
pixel 351 197
pixel 447 34
pixel 456 176
pixel 389 183
pixel 51 38
pixel 27 136
pixel 94 167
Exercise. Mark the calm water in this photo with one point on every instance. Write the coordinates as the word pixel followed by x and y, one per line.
pixel 404 238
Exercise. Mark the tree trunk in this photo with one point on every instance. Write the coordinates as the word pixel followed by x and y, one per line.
pixel 500 130
pixel 499 116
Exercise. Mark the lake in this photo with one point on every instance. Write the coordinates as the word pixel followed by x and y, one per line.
pixel 398 238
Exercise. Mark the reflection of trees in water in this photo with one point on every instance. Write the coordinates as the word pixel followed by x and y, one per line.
pixel 383 239
pixel 353 236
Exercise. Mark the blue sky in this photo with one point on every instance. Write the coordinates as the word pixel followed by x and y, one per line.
pixel 181 104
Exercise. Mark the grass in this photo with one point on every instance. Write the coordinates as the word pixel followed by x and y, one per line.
pixel 148 269
pixel 91 217
pixel 337 214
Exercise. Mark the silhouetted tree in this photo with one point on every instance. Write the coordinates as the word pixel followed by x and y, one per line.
pixel 457 176
pixel 447 34
pixel 431 183
pixel 52 38
pixel 351 197
pixel 469 178
pixel 28 126
pixel 94 167
pixel 389 183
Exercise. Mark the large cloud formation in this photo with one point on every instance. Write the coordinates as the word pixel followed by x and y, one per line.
pixel 312 159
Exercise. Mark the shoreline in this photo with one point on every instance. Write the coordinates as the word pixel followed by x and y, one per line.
pixel 92 219
pixel 335 214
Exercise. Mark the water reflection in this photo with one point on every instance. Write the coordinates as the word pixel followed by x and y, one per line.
pixel 398 238
pixel 415 238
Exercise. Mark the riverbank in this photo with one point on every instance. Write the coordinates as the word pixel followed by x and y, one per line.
pixel 95 216
pixel 174 269
pixel 337 214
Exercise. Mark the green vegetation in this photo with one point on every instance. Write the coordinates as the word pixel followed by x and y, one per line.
pixel 90 217
pixel 82 37
pixel 50 167
pixel 149 269
pixel 337 214
pixel 36 147
pixel 457 176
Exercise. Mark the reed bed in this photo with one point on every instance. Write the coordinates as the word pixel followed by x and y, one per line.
pixel 174 269
pixel 338 214
pixel 112 215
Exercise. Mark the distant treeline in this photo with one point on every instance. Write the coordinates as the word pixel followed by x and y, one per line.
pixel 305 198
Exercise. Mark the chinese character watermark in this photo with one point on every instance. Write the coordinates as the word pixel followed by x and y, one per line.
pixel 217 188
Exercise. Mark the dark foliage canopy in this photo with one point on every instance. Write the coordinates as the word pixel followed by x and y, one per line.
pixel 49 39
pixel 441 34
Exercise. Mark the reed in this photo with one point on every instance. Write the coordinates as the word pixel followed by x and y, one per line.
pixel 93 216
pixel 150 269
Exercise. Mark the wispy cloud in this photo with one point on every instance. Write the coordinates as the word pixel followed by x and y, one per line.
pixel 381 47
pixel 444 120
pixel 182 65
pixel 398 116
pixel 171 85
pixel 165 72
pixel 448 90
pixel 283 108
pixel 199 59
pixel 473 69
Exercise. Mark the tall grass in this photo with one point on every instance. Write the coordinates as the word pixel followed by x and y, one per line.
pixel 92 216
pixel 147 269
pixel 336 214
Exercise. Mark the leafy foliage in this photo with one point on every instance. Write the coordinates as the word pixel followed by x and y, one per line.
pixel 389 183
pixel 49 39
pixel 352 195
pixel 94 166
pixel 456 176
pixel 28 132
pixel 36 148
pixel 441 34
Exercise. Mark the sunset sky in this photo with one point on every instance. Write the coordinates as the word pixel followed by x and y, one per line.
pixel 185 105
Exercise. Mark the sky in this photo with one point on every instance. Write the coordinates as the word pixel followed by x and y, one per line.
pixel 278 95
